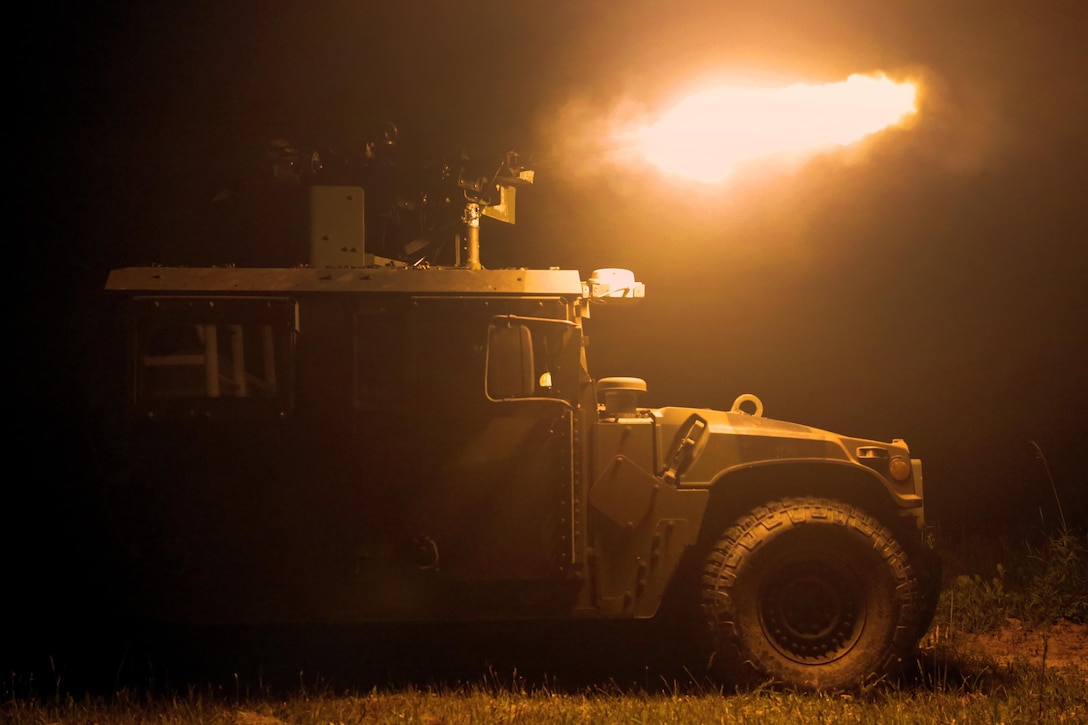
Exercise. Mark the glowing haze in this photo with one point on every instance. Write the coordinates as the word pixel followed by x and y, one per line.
pixel 706 136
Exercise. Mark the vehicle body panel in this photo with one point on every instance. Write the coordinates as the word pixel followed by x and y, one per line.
pixel 389 443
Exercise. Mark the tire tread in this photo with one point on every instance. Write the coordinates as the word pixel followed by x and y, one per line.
pixel 729 656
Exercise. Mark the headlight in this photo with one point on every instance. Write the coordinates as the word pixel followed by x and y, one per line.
pixel 899 468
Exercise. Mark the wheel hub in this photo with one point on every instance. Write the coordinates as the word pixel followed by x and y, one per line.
pixel 812 611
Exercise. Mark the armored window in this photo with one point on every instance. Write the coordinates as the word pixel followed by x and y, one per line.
pixel 208 357
pixel 449 339
pixel 379 357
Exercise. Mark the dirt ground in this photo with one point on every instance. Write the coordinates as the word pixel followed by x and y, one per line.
pixel 1063 644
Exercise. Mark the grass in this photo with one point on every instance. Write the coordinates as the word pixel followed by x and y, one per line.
pixel 1038 582
pixel 955 691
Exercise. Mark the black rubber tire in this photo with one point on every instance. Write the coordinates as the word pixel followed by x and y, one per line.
pixel 809 593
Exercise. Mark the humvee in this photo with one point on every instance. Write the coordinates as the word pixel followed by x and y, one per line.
pixel 365 440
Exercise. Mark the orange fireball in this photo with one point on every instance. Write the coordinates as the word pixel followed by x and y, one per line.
pixel 706 136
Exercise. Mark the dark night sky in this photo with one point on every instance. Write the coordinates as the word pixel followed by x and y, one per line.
pixel 930 288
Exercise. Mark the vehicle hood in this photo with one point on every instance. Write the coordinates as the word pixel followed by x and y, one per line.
pixel 737 440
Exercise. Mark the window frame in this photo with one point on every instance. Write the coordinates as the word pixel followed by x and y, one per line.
pixel 229 383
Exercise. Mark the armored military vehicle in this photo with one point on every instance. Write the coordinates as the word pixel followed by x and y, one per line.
pixel 362 439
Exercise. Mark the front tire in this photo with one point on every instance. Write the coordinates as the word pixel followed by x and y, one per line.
pixel 809 593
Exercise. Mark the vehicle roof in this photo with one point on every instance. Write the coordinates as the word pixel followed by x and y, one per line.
pixel 435 280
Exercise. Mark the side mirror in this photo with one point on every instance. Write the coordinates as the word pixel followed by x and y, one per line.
pixel 511 372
